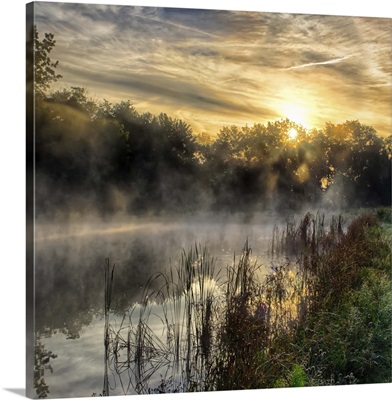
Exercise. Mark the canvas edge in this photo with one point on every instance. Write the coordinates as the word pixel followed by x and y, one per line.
pixel 30 200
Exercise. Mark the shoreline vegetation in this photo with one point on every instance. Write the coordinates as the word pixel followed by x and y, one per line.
pixel 321 316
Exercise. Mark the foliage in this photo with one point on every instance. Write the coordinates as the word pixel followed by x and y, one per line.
pixel 44 67
pixel 298 376
pixel 346 337
pixel 385 214
pixel 155 162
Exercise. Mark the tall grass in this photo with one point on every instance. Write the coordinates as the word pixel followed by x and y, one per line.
pixel 322 315
pixel 238 330
pixel 171 333
pixel 340 340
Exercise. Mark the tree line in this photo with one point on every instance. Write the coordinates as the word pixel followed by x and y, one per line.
pixel 110 157
pixel 154 163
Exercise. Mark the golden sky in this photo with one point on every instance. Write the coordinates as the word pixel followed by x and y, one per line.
pixel 218 68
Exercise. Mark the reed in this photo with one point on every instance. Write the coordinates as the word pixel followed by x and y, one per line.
pixel 171 332
pixel 109 276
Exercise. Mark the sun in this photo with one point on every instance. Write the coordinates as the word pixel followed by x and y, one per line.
pixel 295 114
pixel 292 133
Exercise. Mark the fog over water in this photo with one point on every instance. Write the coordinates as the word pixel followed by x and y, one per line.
pixel 70 259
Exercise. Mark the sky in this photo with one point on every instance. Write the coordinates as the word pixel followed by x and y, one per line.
pixel 219 68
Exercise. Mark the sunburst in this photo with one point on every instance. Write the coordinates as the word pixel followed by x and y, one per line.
pixel 292 133
pixel 296 114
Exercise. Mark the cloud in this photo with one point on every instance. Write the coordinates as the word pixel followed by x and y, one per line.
pixel 224 66
pixel 327 62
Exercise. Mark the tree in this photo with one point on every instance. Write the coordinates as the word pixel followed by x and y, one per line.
pixel 44 67
pixel 76 98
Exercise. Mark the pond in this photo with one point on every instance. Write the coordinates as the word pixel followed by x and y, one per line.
pixel 70 284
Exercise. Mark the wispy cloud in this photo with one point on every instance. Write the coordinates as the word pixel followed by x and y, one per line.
pixel 328 62
pixel 175 25
pixel 221 67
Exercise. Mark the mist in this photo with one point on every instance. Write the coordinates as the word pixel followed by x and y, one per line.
pixel 105 160
pixel 139 189
pixel 70 258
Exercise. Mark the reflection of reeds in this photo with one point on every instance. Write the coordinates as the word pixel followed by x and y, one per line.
pixel 211 333
pixel 307 244
pixel 309 236
pixel 109 275
pixel 42 359
pixel 214 334
pixel 180 350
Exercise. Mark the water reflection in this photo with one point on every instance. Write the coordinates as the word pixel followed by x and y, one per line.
pixel 42 364
pixel 70 300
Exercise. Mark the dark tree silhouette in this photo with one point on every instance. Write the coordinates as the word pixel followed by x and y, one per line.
pixel 44 67
pixel 89 154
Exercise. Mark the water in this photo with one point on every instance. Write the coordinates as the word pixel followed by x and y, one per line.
pixel 70 262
